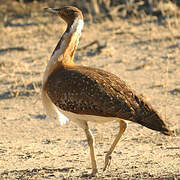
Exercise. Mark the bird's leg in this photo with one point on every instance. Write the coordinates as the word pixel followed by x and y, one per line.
pixel 120 133
pixel 90 139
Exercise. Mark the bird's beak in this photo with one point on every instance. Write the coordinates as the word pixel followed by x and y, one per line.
pixel 53 10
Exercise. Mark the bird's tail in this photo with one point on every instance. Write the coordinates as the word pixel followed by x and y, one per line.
pixel 147 116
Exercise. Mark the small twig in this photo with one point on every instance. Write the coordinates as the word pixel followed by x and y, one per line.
pixel 88 45
pixel 12 49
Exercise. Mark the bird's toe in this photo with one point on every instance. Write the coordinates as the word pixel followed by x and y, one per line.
pixel 107 161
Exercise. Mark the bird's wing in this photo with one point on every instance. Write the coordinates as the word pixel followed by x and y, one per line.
pixel 90 91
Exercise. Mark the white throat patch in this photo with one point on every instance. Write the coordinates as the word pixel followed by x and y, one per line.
pixel 77 26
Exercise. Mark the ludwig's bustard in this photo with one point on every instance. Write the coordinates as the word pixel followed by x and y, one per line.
pixel 85 94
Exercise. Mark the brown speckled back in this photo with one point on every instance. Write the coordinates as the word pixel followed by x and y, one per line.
pixel 91 91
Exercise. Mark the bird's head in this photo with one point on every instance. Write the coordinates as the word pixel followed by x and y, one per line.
pixel 67 13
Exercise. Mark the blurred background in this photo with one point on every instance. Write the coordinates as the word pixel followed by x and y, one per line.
pixel 94 10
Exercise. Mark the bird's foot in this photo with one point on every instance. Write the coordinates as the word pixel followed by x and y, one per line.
pixel 93 174
pixel 107 161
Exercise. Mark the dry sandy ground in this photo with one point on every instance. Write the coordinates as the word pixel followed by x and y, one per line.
pixel 142 52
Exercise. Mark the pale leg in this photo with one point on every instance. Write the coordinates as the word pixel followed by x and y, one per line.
pixel 120 133
pixel 90 138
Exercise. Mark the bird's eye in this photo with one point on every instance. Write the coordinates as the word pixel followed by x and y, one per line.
pixel 70 12
pixel 63 13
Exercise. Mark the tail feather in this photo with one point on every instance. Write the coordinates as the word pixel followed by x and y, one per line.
pixel 147 116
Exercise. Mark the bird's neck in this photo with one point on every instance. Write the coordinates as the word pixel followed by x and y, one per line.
pixel 68 43
pixel 63 54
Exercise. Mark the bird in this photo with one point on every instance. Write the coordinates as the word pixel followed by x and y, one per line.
pixel 85 94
